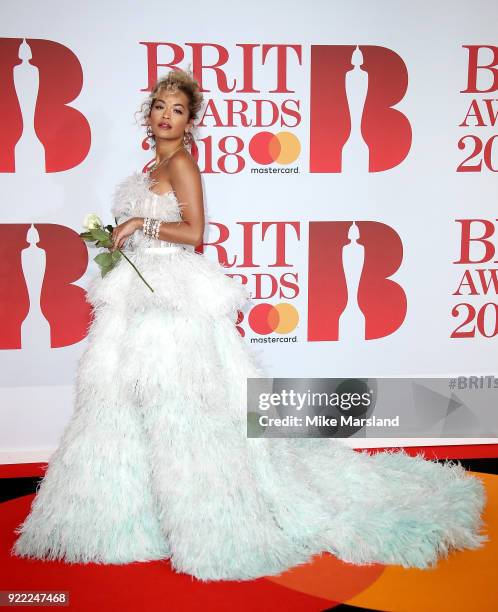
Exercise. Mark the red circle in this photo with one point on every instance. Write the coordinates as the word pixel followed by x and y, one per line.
pixel 259 148
pixel 261 318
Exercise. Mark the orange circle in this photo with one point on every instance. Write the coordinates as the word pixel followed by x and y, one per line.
pixel 288 318
pixel 290 148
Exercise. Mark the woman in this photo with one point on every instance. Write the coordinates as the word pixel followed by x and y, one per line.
pixel 155 462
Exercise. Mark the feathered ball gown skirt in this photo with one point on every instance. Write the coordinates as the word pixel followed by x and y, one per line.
pixel 155 462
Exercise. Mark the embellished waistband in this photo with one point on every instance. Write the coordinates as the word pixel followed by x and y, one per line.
pixel 165 249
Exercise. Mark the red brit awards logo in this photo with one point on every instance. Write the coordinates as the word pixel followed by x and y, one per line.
pixel 350 265
pixel 38 116
pixel 47 97
pixel 476 308
pixel 482 78
pixel 272 143
pixel 353 91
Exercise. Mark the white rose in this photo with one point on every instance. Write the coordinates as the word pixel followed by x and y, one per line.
pixel 92 221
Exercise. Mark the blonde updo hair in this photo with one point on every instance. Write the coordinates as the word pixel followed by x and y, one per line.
pixel 175 80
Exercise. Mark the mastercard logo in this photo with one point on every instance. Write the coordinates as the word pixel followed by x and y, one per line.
pixel 267 318
pixel 281 148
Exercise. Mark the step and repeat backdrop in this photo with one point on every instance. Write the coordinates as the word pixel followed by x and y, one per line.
pixel 349 159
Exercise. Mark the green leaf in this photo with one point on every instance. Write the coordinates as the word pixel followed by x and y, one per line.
pixel 103 259
pixel 116 255
pixel 106 243
pixel 99 234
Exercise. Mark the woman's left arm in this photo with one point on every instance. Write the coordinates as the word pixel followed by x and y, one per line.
pixel 185 178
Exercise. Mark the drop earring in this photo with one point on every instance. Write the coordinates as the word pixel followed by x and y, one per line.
pixel 150 135
pixel 187 138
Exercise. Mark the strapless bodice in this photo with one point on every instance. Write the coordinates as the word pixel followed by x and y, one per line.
pixel 133 197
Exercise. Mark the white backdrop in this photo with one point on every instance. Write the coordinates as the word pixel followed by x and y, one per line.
pixel 280 72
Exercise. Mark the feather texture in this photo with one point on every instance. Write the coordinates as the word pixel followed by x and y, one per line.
pixel 155 462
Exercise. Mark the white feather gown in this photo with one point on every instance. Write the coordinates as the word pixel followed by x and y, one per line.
pixel 155 462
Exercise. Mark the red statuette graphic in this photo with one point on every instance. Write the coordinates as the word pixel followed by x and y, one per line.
pixel 63 130
pixel 62 303
pixel 385 130
pixel 381 300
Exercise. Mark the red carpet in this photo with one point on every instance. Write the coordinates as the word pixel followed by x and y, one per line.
pixel 465 581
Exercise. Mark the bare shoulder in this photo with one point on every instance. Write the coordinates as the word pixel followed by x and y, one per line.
pixel 183 167
pixel 183 162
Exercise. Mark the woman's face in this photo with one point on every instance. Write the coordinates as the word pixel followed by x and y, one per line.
pixel 169 115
